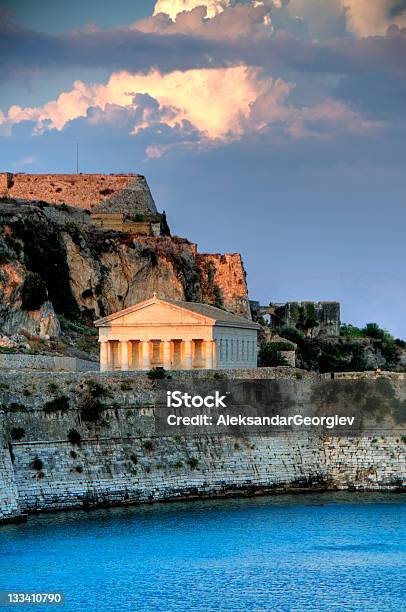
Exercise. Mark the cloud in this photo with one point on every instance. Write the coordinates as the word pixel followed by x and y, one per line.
pixel 194 108
pixel 370 18
pixel 242 21
pixel 174 7
pixel 25 161
pixel 362 17
pixel 238 35
pixel 215 101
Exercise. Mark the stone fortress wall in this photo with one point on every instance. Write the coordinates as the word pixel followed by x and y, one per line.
pixel 128 193
pixel 121 460
pixel 319 318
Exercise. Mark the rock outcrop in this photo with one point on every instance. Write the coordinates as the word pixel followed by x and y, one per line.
pixel 14 318
pixel 224 279
pixel 90 272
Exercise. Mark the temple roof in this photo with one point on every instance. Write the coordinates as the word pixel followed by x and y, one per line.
pixel 216 315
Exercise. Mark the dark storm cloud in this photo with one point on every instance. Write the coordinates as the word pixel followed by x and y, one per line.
pixel 202 44
pixel 24 50
pixel 398 9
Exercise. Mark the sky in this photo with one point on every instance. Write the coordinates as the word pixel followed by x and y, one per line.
pixel 271 128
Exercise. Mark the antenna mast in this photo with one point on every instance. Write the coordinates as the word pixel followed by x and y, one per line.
pixel 77 158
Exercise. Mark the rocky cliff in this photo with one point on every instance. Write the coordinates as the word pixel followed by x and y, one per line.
pixel 53 260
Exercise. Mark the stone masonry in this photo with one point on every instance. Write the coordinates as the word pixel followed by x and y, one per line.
pixel 123 193
pixel 121 460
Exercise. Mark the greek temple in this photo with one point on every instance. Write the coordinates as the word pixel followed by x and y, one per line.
pixel 176 335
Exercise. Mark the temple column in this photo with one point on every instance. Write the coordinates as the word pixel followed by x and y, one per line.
pixel 104 355
pixel 167 354
pixel 209 355
pixel 124 356
pixel 214 346
pixel 187 355
pixel 145 359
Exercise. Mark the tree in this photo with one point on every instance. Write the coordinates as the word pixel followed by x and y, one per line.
pixel 269 356
pixel 34 292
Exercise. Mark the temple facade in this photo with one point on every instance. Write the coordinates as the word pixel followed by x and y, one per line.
pixel 176 335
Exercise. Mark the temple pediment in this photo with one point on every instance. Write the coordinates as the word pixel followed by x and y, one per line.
pixel 154 312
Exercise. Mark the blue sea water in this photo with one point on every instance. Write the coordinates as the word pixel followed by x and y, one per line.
pixel 266 553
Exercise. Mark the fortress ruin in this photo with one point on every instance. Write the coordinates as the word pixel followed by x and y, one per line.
pixel 121 202
pixel 126 193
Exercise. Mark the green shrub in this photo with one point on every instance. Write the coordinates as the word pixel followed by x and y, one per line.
pixel 59 403
pixel 90 403
pixel 74 436
pixel 290 333
pixel 68 326
pixel 34 292
pixel 192 463
pixel 87 293
pixel 91 408
pixel 16 407
pixel 148 445
pixel 5 255
pixel 17 433
pixel 96 389
pixel 37 464
pixel 75 231
pixel 53 387
pixel 8 350
pixel 282 346
pixel 156 373
pixel 269 356
pixel 350 331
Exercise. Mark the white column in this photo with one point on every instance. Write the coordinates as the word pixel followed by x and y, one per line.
pixel 104 355
pixel 187 355
pixel 215 347
pixel 167 354
pixel 145 360
pixel 209 354
pixel 124 356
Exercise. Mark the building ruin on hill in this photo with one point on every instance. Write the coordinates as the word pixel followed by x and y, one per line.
pixel 120 202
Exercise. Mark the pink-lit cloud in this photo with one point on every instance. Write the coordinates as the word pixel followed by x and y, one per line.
pixel 174 7
pixel 218 104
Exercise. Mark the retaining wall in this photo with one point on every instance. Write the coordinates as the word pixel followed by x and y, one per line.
pixel 120 459
pixel 10 361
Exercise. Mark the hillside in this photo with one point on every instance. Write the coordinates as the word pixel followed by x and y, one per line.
pixel 59 272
